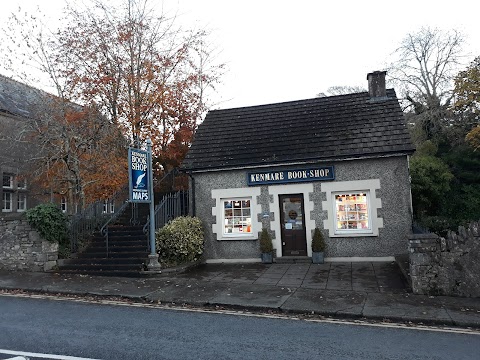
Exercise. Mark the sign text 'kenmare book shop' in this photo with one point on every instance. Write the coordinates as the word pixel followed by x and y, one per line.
pixel 290 176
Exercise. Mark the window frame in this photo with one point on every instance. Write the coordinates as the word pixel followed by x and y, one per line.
pixel 352 186
pixel 338 231
pixel 108 207
pixel 4 201
pixel 11 176
pixel 21 183
pixel 24 197
pixel 253 194
pixel 64 204
pixel 223 220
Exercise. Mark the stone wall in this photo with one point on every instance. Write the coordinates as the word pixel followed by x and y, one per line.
pixel 22 248
pixel 446 266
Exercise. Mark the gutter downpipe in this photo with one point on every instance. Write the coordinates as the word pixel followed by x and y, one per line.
pixel 189 173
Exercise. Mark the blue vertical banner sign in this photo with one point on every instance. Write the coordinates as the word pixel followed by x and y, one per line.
pixel 139 175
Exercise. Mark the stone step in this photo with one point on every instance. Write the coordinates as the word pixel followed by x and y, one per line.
pixel 124 241
pixel 101 260
pixel 293 260
pixel 119 248
pixel 103 267
pixel 119 273
pixel 113 254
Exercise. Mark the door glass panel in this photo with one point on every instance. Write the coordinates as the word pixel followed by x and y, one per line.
pixel 292 213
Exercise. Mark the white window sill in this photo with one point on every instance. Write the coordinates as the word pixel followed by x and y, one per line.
pixel 353 234
pixel 237 237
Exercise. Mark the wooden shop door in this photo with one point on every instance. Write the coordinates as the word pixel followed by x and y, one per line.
pixel 292 218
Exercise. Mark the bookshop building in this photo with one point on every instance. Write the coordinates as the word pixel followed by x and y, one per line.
pixel 337 163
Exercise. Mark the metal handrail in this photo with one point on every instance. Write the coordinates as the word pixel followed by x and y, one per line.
pixel 157 208
pixel 92 218
pixel 89 220
pixel 174 205
pixel 113 217
pixel 104 228
pixel 171 173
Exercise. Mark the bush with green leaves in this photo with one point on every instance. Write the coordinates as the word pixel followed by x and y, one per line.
pixel 50 222
pixel 266 245
pixel 180 241
pixel 318 243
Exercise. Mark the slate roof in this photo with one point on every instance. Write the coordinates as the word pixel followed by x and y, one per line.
pixel 19 99
pixel 313 130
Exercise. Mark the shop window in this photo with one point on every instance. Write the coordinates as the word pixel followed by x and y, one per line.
pixel 352 208
pixel 237 218
pixel 7 181
pixel 236 213
pixel 352 212
pixel 7 202
pixel 21 202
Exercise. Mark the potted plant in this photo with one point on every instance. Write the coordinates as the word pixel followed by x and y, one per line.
pixel 318 247
pixel 266 247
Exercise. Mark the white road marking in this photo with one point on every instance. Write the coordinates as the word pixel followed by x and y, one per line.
pixel 22 355
pixel 299 317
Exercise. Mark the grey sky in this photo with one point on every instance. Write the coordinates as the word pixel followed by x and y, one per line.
pixel 279 50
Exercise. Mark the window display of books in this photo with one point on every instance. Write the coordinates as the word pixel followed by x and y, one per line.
pixel 351 211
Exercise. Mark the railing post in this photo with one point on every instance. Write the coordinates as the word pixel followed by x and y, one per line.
pixel 106 238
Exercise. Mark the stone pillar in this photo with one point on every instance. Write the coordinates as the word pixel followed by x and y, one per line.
pixel 424 250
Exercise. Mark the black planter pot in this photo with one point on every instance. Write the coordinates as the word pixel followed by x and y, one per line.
pixel 267 258
pixel 317 257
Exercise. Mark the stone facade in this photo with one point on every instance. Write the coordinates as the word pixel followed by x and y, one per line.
pixel 392 201
pixel 446 266
pixel 22 248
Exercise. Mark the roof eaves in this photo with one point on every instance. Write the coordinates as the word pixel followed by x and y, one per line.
pixel 229 167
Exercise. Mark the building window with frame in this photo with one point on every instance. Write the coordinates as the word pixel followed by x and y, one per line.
pixel 7 181
pixel 352 208
pixel 7 202
pixel 63 204
pixel 352 212
pixel 237 217
pixel 21 202
pixel 21 183
pixel 108 207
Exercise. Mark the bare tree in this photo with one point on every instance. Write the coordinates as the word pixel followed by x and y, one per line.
pixel 427 62
pixel 423 72
pixel 341 90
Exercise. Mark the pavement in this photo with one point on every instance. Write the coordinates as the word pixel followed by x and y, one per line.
pixel 367 290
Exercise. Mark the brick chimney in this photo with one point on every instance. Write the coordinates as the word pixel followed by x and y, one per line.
pixel 376 84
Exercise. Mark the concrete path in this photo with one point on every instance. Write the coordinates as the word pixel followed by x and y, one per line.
pixel 370 277
pixel 373 291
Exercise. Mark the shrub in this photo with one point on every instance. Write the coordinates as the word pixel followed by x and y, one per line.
pixel 49 221
pixel 318 243
pixel 180 241
pixel 266 245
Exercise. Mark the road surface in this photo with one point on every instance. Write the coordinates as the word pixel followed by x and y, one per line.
pixel 52 329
